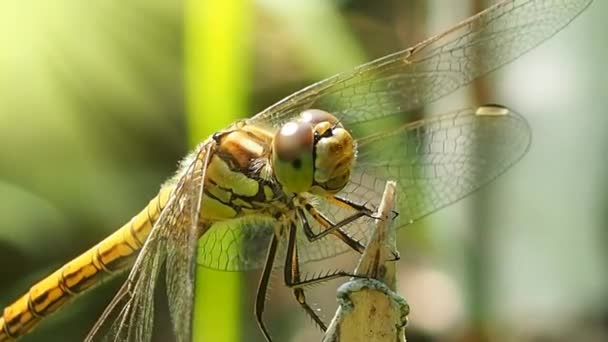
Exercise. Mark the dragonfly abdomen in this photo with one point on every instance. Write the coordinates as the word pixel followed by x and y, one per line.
pixel 109 257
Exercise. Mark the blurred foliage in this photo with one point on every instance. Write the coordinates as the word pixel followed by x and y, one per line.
pixel 93 97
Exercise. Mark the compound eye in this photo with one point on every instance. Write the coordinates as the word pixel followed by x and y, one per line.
pixel 315 116
pixel 293 156
pixel 292 140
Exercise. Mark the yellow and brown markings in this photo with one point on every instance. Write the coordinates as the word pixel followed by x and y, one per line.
pixel 233 186
pixel 244 144
pixel 112 254
pixel 238 182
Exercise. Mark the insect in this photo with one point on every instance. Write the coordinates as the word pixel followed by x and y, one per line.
pixel 300 180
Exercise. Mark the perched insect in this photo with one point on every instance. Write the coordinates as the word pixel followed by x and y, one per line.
pixel 300 180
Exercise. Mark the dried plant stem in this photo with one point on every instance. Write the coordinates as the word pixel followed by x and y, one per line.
pixel 370 310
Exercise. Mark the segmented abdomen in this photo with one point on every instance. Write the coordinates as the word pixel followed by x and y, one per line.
pixel 112 255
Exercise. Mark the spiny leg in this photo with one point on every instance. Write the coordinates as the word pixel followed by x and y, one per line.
pixel 311 236
pixel 292 276
pixel 260 300
pixel 330 227
pixel 346 203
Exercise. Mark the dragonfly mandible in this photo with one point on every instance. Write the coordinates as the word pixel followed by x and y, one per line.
pixel 299 181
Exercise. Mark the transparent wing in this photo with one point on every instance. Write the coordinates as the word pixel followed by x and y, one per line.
pixel 408 79
pixel 436 161
pixel 439 160
pixel 236 245
pixel 181 251
pixel 241 244
pixel 118 321
pixel 173 240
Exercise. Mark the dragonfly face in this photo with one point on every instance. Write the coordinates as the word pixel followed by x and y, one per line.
pixel 314 153
pixel 253 171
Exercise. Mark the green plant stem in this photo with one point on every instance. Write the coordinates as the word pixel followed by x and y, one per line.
pixel 217 78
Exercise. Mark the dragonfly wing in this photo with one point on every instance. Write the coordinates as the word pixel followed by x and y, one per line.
pixel 241 244
pixel 439 160
pixel 236 245
pixel 134 321
pixel 407 80
pixel 181 251
pixel 129 316
pixel 172 240
pixel 436 161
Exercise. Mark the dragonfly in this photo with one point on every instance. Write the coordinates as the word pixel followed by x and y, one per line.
pixel 300 180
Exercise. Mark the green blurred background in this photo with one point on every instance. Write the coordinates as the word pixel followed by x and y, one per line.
pixel 99 100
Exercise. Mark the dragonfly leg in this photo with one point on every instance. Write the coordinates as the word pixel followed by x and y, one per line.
pixel 345 202
pixel 330 227
pixel 260 300
pixel 293 279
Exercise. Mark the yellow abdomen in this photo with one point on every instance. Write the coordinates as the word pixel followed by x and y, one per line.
pixel 107 258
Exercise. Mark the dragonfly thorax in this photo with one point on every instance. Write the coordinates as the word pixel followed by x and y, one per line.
pixel 313 153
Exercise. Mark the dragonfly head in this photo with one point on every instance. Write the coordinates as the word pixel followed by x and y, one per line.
pixel 313 153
